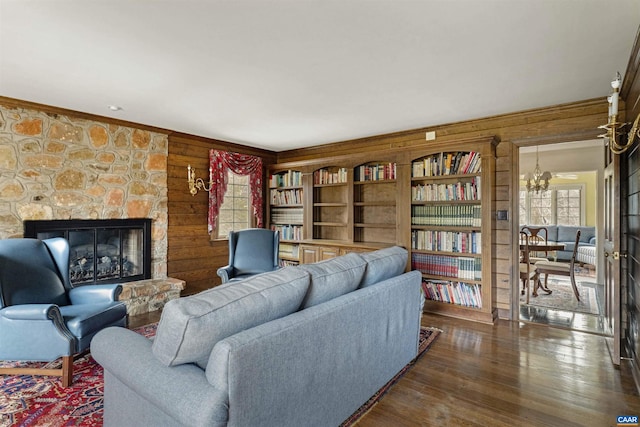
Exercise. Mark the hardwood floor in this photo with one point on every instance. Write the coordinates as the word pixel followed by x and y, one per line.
pixel 510 374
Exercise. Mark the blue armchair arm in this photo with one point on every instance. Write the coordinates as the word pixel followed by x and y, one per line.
pixel 95 294
pixel 31 312
pixel 225 273
pixel 49 338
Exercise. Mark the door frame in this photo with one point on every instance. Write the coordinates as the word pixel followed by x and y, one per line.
pixel 584 135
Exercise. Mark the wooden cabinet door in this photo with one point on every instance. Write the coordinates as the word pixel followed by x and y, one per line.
pixel 308 254
pixel 328 253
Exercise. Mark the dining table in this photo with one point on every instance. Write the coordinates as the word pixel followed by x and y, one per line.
pixel 541 246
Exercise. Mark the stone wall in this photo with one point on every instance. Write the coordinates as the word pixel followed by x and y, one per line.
pixel 60 167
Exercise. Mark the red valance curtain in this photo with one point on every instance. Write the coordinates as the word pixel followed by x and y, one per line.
pixel 240 164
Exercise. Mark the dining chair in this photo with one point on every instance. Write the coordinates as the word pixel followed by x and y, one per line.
pixel 527 270
pixel 537 235
pixel 560 269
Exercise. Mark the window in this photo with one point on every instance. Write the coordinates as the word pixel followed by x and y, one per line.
pixel 235 210
pixel 235 199
pixel 561 205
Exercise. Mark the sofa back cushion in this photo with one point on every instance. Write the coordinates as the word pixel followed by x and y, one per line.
pixel 191 326
pixel 567 233
pixel 332 278
pixel 383 264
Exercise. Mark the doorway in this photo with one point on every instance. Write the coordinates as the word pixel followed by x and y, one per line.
pixel 570 202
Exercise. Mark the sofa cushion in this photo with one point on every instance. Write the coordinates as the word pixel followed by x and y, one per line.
pixel 567 234
pixel 191 326
pixel 333 277
pixel 383 264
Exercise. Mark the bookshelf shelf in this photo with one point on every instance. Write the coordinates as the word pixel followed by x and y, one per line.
pixel 445 253
pixel 451 279
pixel 331 205
pixel 446 202
pixel 372 225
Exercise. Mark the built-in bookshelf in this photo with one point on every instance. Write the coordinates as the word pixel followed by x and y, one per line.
pixel 374 202
pixel 331 195
pixel 286 212
pixel 436 201
pixel 450 215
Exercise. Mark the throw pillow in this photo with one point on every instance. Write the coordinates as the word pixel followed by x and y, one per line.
pixel 191 326
pixel 332 278
pixel 383 264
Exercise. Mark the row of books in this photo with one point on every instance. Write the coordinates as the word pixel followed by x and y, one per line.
pixel 289 250
pixel 465 294
pixel 287 215
pixel 455 163
pixel 324 176
pixel 286 197
pixel 287 263
pixel 447 266
pixel 444 192
pixel 447 215
pixel 287 179
pixel 447 241
pixel 379 172
pixel 288 232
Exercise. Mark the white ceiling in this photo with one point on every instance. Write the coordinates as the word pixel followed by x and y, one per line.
pixel 281 74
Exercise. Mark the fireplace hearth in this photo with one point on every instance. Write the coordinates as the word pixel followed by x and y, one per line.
pixel 101 251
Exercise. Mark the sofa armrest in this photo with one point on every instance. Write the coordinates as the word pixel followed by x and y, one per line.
pixel 225 273
pixel 181 392
pixel 592 241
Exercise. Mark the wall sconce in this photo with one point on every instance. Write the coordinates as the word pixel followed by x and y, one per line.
pixel 196 184
pixel 614 127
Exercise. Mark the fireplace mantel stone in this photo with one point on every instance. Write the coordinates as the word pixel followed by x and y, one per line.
pixel 145 296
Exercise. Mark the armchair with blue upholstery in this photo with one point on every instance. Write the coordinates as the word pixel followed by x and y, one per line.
pixel 251 251
pixel 42 317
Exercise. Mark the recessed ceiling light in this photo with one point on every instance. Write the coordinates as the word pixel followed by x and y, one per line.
pixel 115 107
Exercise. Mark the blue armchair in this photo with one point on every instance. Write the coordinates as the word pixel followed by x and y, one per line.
pixel 251 251
pixel 42 317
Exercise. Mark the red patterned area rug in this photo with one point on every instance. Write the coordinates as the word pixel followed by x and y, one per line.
pixel 27 400
pixel 427 337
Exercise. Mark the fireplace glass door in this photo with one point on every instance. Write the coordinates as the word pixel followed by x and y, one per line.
pixel 115 253
pixel 99 255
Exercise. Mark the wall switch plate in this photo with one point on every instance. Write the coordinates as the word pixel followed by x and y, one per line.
pixel 430 136
pixel 503 215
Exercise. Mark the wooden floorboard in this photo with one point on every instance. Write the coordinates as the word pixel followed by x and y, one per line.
pixel 509 374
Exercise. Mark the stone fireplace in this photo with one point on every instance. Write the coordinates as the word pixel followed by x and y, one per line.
pixel 60 167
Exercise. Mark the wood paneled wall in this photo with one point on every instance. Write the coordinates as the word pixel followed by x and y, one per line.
pixel 191 255
pixel 563 123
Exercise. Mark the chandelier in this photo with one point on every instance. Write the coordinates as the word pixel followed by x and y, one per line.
pixel 538 180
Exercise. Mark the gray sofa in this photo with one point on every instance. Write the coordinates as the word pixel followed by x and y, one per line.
pixel 301 346
pixel 566 234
